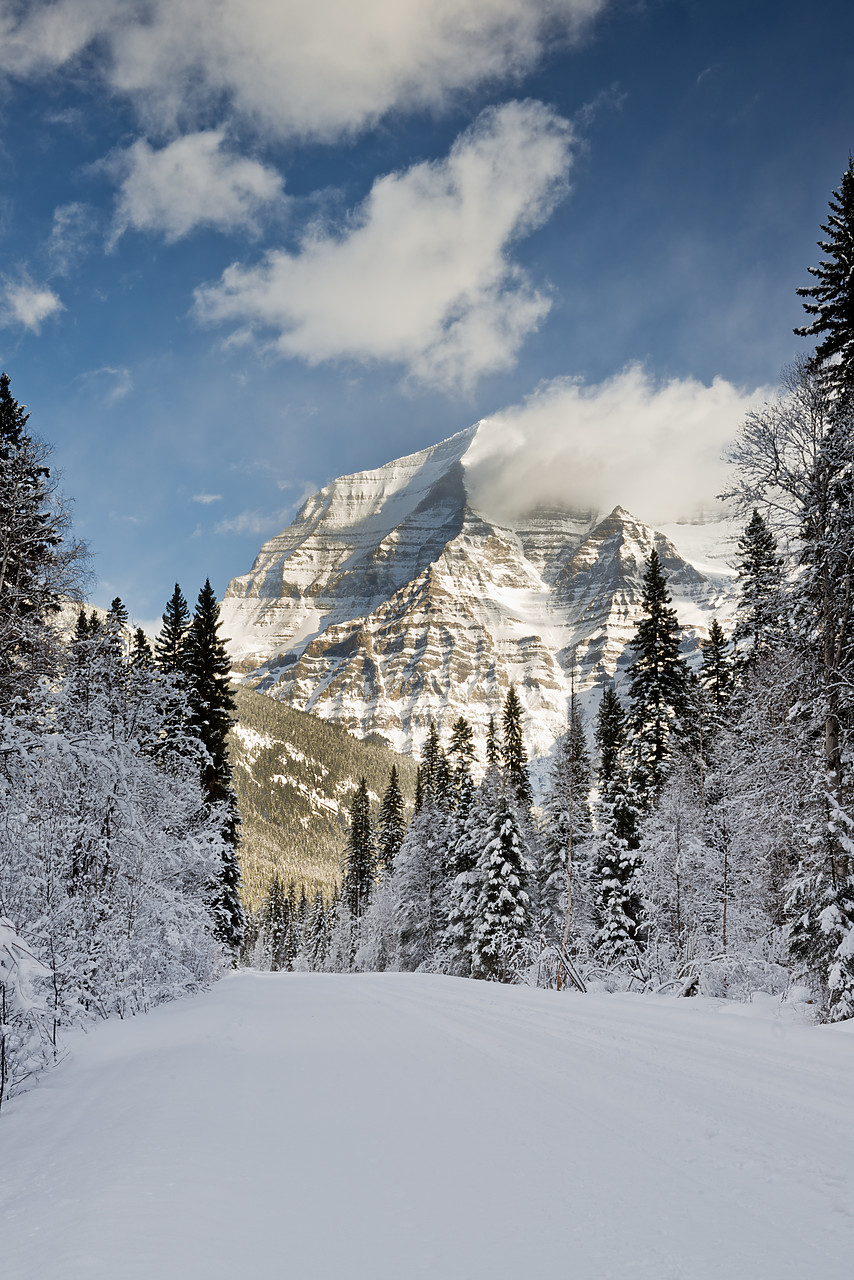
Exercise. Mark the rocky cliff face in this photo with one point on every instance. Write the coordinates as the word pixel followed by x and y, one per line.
pixel 390 601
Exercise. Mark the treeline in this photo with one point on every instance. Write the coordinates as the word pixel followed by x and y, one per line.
pixel 711 846
pixel 119 882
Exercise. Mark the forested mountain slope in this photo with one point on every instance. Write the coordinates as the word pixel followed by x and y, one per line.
pixel 295 776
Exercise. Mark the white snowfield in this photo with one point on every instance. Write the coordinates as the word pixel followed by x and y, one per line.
pixel 393 1126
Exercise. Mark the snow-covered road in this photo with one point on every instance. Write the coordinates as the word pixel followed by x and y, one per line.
pixel 394 1126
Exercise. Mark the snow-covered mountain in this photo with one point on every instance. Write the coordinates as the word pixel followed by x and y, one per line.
pixel 390 600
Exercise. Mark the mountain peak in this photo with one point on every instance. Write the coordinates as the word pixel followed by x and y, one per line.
pixel 391 601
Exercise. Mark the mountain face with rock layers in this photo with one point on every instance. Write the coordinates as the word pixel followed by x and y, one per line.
pixel 390 600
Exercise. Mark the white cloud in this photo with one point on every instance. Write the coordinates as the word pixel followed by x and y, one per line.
pixel 319 69
pixel 194 181
pixel 207 498
pixel 25 304
pixel 652 447
pixel 420 275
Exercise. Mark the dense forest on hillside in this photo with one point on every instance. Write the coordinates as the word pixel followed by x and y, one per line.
pixel 295 776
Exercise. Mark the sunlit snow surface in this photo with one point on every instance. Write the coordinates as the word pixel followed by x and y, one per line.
pixel 395 1126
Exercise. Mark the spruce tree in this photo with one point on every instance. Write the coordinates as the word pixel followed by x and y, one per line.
pixel 170 645
pixel 141 653
pixel 391 827
pixel 616 901
pixel 359 855
pixel 567 825
pixel 716 675
pixel 760 588
pixel 211 703
pixel 502 909
pixel 39 564
pixel 832 297
pixel 513 753
pixel 658 680
pixel 493 749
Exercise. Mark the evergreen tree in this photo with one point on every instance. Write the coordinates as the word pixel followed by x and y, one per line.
pixel 832 297
pixel 211 703
pixel 716 671
pixel 276 926
pixel 141 654
pixel 658 680
pixel 501 912
pixel 119 613
pixel 461 753
pixel 567 826
pixel 170 645
pixel 391 827
pixel 435 774
pixel 513 753
pixel 39 563
pixel 760 588
pixel 610 735
pixel 359 855
pixel 616 903
pixel 493 748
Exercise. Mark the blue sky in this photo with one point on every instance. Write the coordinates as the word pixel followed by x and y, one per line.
pixel 248 246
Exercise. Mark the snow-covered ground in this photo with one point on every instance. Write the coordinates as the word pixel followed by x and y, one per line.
pixel 393 1126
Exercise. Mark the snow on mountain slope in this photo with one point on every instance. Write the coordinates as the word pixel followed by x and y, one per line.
pixel 394 1125
pixel 390 601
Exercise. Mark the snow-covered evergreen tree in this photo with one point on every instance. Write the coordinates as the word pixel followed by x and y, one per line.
pixel 40 563
pixel 658 681
pixel 566 831
pixel 501 911
pixel 761 586
pixel 616 905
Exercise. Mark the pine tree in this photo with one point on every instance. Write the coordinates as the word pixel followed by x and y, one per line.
pixel 391 827
pixel 658 680
pixel 760 588
pixel 210 704
pixel 170 645
pixel 832 296
pixel 359 855
pixel 513 753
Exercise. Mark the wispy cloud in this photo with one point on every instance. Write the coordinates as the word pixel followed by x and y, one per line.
pixel 206 498
pixel 257 523
pixel 109 383
pixel 74 226
pixel 420 275
pixel 27 305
